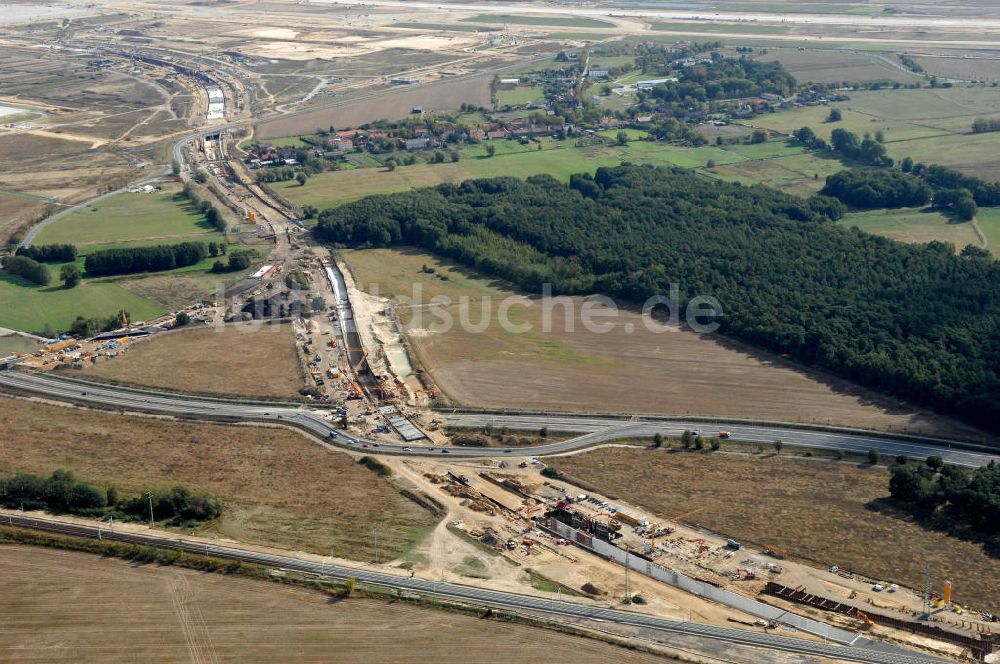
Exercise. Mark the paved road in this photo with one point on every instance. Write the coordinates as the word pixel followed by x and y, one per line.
pixel 863 650
pixel 593 429
pixel 599 430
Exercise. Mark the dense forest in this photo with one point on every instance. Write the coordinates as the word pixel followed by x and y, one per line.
pixel 868 188
pixel 916 321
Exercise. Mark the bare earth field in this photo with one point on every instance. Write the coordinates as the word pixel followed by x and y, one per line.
pixel 571 368
pixel 53 599
pixel 231 360
pixel 816 510
pixel 440 96
pixel 277 487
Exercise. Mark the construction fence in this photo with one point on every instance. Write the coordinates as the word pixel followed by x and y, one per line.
pixel 695 587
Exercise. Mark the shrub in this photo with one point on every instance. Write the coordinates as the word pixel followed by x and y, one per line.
pixel 376 466
pixel 27 268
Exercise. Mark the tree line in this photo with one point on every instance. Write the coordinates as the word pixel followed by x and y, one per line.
pixel 913 320
pixel 61 493
pixel 206 207
pixel 49 253
pixel 87 327
pixel 952 496
pixel 982 125
pixel 131 260
pixel 912 185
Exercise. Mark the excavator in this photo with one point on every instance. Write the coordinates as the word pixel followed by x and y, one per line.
pixel 864 617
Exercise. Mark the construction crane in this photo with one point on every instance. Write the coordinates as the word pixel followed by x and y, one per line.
pixel 652 536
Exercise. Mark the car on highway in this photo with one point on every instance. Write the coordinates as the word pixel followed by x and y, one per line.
pixel 407 449
pixel 507 451
pixel 444 451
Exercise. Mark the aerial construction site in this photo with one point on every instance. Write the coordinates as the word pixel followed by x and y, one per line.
pixel 303 294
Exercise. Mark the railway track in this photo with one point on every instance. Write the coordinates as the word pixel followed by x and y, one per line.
pixel 864 651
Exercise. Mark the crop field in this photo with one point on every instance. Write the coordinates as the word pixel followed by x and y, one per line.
pixel 277 487
pixel 126 217
pixel 175 614
pixel 816 66
pixel 816 510
pixel 555 21
pixel 964 68
pixel 258 361
pixel 564 366
pixel 914 225
pixel 17 206
pixel 446 95
pixel 973 154
pixel 29 307
pixel 930 124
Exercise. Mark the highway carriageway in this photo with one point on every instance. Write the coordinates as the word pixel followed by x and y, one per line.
pixel 867 651
pixel 593 430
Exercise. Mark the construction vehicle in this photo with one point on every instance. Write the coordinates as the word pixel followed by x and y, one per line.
pixel 630 520
pixel 746 573
pixel 61 346
pixel 864 617
pixel 775 551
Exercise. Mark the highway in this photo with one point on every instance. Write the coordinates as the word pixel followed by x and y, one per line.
pixel 863 650
pixel 593 430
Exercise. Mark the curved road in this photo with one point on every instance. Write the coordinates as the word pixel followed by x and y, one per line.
pixel 862 651
pixel 593 430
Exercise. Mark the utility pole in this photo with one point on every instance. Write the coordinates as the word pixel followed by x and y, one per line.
pixel 375 537
pixel 150 496
pixel 628 594
pixel 927 593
